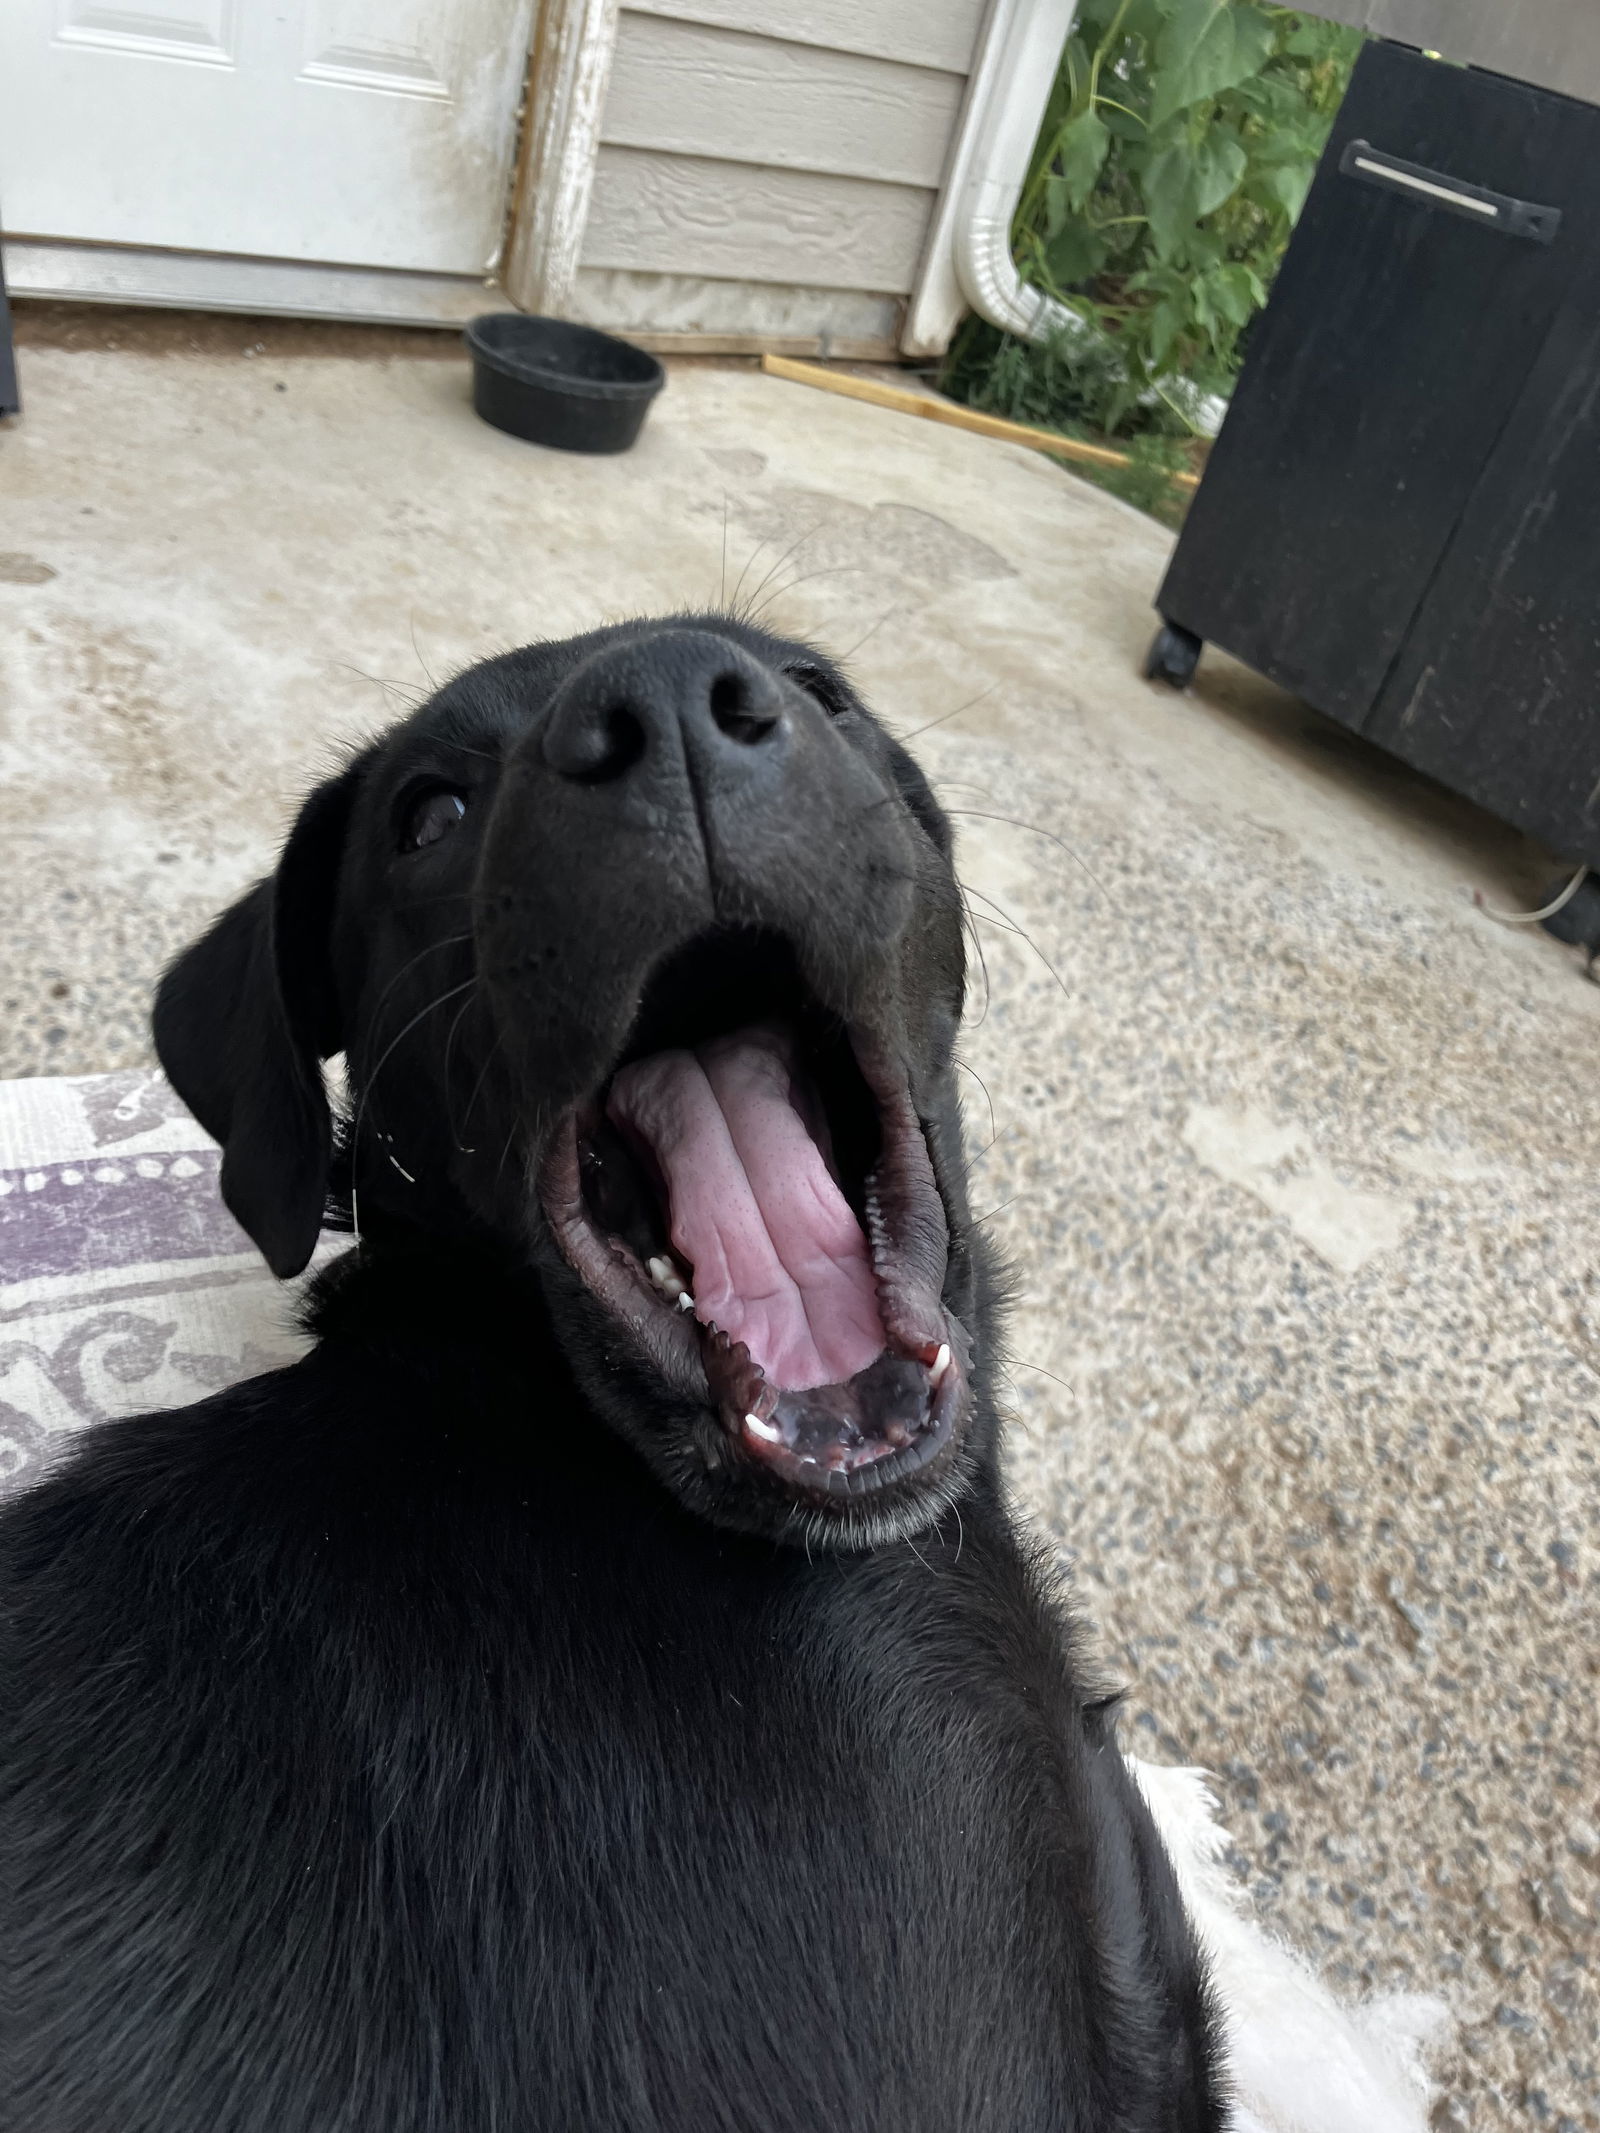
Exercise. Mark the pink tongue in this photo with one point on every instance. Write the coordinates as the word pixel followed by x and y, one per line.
pixel 779 1260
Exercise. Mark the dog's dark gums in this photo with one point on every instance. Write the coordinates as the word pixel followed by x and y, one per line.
pixel 601 1686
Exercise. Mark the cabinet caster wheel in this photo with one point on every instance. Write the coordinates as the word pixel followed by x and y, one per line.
pixel 1573 915
pixel 1173 656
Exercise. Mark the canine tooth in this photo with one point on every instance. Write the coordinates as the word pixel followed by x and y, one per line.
pixel 685 1300
pixel 939 1365
pixel 765 1430
pixel 666 1277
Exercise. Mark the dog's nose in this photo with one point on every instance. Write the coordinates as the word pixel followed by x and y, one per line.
pixel 677 694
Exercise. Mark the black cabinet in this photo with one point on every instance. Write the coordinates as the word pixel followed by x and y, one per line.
pixel 1400 520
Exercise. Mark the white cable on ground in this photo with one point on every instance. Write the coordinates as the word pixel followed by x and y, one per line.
pixel 1533 918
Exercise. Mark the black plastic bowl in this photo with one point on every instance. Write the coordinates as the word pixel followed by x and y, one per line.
pixel 559 384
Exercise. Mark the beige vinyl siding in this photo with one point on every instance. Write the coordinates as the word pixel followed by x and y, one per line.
pixel 926 33
pixel 745 221
pixel 691 91
pixel 763 181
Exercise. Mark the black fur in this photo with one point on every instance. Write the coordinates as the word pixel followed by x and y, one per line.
pixel 426 1738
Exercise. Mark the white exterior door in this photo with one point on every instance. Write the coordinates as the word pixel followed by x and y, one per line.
pixel 370 133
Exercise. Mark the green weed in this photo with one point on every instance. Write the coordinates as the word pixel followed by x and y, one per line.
pixel 1179 144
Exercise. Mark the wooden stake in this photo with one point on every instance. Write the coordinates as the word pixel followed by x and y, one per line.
pixel 874 391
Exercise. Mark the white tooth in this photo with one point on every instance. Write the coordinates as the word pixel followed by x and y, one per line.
pixel 665 1275
pixel 685 1300
pixel 764 1430
pixel 939 1365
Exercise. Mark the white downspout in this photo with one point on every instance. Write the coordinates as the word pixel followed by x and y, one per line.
pixel 1020 60
pixel 969 260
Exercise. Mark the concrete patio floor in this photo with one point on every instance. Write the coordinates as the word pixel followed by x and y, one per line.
pixel 1297 1155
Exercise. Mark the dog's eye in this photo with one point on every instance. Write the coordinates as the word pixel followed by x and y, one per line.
pixel 827 691
pixel 432 815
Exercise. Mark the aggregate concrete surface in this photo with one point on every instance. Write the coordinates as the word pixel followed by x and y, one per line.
pixel 1296 1154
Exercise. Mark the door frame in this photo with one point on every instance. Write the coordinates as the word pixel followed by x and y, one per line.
pixel 569 69
pixel 547 208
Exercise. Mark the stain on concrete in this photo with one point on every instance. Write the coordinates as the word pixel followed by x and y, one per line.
pixel 736 460
pixel 1277 1166
pixel 113 708
pixel 24 570
pixel 802 533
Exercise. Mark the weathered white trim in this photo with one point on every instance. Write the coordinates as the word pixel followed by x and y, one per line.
pixel 567 77
pixel 210 281
pixel 968 261
pixel 678 312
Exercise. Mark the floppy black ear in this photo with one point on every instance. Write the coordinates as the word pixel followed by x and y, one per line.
pixel 242 1020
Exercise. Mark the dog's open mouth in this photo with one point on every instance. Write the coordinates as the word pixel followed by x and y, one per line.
pixel 750 1192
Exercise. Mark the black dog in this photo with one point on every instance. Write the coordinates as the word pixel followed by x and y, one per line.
pixel 601 1686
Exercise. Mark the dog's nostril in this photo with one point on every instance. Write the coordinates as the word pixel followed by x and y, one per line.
pixel 735 713
pixel 611 741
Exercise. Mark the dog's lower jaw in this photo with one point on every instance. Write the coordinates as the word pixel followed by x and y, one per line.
pixel 687 1446
pixel 880 1522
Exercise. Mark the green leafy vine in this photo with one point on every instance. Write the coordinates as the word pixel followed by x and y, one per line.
pixel 1179 143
